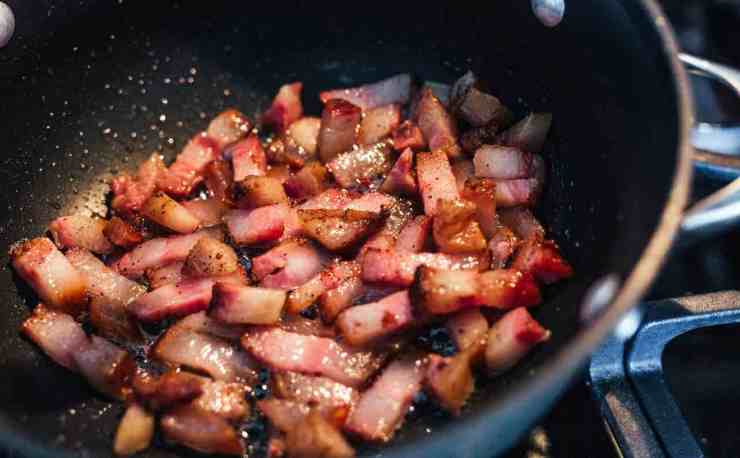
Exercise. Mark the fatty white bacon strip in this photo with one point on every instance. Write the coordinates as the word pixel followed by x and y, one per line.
pixel 173 300
pixel 49 273
pixel 80 231
pixel 130 193
pixel 167 212
pixel 248 158
pixel 202 431
pixel 229 127
pixel 339 122
pixel 381 409
pixel 57 334
pixel 511 338
pixel 237 304
pixel 438 127
pixel 378 123
pixel 396 89
pixel 302 297
pixel 529 134
pixel 288 265
pixel 362 324
pixel 397 268
pixel 107 367
pixel 505 162
pixel 286 107
pixel 436 180
pixel 401 179
pixel 264 224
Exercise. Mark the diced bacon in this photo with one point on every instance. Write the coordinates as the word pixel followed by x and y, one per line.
pixel 299 324
pixel 505 289
pixel 475 106
pixel 502 245
pixel 135 431
pixel 482 192
pixel 302 297
pixel 437 125
pixel 522 222
pixel 543 260
pixel 285 415
pixel 305 133
pixel 382 408
pixel 402 178
pixel 414 235
pixel 286 107
pixel 408 135
pixel 314 436
pixel 49 273
pixel 173 300
pixel 307 182
pixel 362 324
pixel 445 291
pixel 339 122
pixel 165 275
pixel 238 304
pixel 468 328
pixel 121 233
pixel 334 301
pixel 511 338
pixel 338 230
pixel 257 191
pixel 208 212
pixel 529 134
pixel 398 268
pixel 455 229
pixel 129 194
pixel 210 258
pixel 511 193
pixel 399 213
pixel 167 212
pixel 288 265
pixel 319 391
pixel 462 170
pixel 331 199
pixel 202 323
pixel 229 127
pixel 449 379
pixel 223 360
pixel 248 158
pixel 164 391
pixel 57 334
pixel 160 252
pixel 189 166
pixel 360 166
pixel 219 177
pixel 109 293
pixel 225 399
pixel 80 231
pixel 202 431
pixel 261 225
pixel 373 202
pixel 504 162
pixel 107 367
pixel 378 123
pixel 436 180
pixel 396 89
pixel 285 351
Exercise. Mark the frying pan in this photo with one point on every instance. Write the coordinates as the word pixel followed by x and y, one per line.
pixel 89 88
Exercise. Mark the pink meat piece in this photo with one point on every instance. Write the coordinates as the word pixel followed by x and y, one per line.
pixel 248 158
pixel 82 232
pixel 522 222
pixel 401 179
pixel 378 123
pixel 414 234
pixel 468 328
pixel 397 268
pixel 511 338
pixel 543 260
pixel 408 135
pixel 362 324
pixel 436 180
pixel 228 127
pixel 261 225
pixel 308 293
pixel 173 300
pixel 286 107
pixel 438 127
pixel 129 194
pixel 57 334
pixel 189 166
pixel 504 162
pixel 339 122
pixel 396 89
pixel 105 366
pixel 334 301
pixel 208 211
pixel 290 264
pixel 239 304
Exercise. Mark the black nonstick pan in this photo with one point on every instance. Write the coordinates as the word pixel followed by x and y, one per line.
pixel 89 88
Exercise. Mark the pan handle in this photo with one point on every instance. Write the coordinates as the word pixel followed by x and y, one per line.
pixel 720 211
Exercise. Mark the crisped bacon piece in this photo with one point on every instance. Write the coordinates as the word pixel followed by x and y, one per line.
pixel 402 178
pixel 160 252
pixel 172 387
pixel 82 232
pixel 502 245
pixel 333 301
pixel 511 193
pixel 286 107
pixel 399 213
pixel 475 106
pixel 445 291
pixel 529 134
pixel 173 300
pixel 129 194
pixel 165 275
pixel 381 409
pixel 286 351
pixel 408 135
pixel 121 233
pixel 167 212
pixel 202 431
pixel 436 180
pixel 522 222
pixel 330 199
pixel 219 177
pixel 208 212
pixel 396 89
pixel 463 170
pixel 319 391
pixel 109 293
pixel 229 127
pixel 261 225
pixel 362 324
pixel 414 234
pixel 504 162
pixel 107 367
pixel 49 273
pixel 450 379
pixel 482 192
pixel 290 264
pixel 209 258
pixel 455 229
pixel 248 158
pixel 57 334
pixel 339 229
pixel 378 123
pixel 543 260
pixel 225 399
pixel 187 170
pixel 339 122
pixel 505 289
pixel 437 125
pixel 360 166
pixel 314 436
pixel 398 268
pixel 237 304
pixel 305 134
pixel 468 328
pixel 307 182
pixel 257 191
pixel 135 431
pixel 302 297
pixel 511 338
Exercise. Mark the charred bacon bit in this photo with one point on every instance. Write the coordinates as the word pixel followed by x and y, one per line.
pixel 437 125
pixel 360 166
pixel 108 368
pixel 167 212
pixel 504 162
pixel 57 334
pixel 315 436
pixel 511 338
pixel 225 399
pixel 248 158
pixel 238 304
pixel 208 212
pixel 308 182
pixel 482 192
pixel 511 193
pixel 290 264
pixel 305 134
pixel 339 229
pixel 450 380
pixel 414 234
pixel 302 297
pixel 522 222
pixel 463 170
pixel 468 328
pixel 455 229
pixel 529 134
pixel 543 260
pixel 505 289
pixel 160 252
pixel 446 291
pixel 202 431
pixel 401 179
pixel 436 180
pixel 339 123
pixel 502 246
pixel 396 89
pixel 50 274
pixel 474 138
pixel 109 293
pixel 135 431
pixel 261 191
pixel 381 409
pixel 80 231
pixel 261 225
pixel 318 391
pixel 129 194
pixel 210 257
pixel 362 324
pixel 218 179
pixel 475 106
pixel 378 123
pixel 172 387
pixel 121 233
pixel 188 169
pixel 397 268
pixel 174 300
pixel 229 127
pixel 408 135
pixel 286 107
pixel 335 300
pixel 286 351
